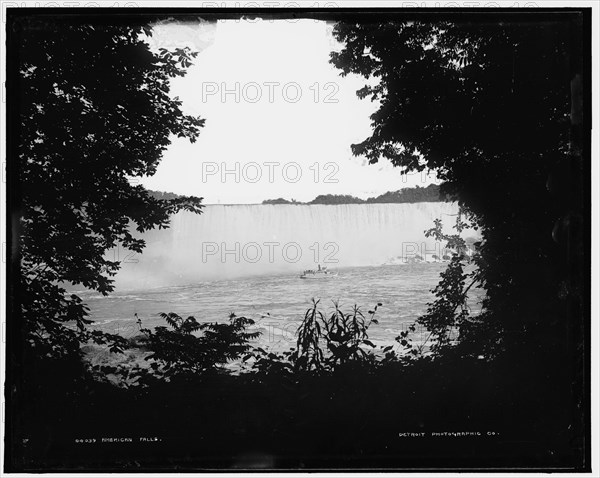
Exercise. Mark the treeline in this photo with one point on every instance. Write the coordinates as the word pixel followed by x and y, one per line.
pixel 430 193
pixel 162 195
pixel 281 201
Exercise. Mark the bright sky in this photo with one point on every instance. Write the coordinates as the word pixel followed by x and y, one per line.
pixel 279 118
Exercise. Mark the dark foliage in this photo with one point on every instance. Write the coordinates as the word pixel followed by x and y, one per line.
pixel 345 336
pixel 180 352
pixel 278 415
pixel 493 109
pixel 287 412
pixel 496 110
pixel 94 112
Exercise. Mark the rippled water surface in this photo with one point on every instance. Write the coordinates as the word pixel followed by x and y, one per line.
pixel 277 303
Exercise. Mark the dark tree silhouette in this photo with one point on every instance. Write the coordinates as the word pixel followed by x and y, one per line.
pixel 490 108
pixel 94 113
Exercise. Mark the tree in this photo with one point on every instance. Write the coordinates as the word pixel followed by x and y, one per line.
pixel 336 199
pixel 430 193
pixel 489 108
pixel 450 312
pixel 93 112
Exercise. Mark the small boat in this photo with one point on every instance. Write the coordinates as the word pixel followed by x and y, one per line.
pixel 320 273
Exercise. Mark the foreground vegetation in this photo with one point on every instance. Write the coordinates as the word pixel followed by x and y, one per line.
pixel 334 400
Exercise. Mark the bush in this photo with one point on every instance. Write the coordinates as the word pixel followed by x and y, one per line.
pixel 345 337
pixel 180 351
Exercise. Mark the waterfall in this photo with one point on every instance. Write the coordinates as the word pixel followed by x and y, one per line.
pixel 229 241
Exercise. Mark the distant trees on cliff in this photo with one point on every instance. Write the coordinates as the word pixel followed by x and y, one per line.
pixel 163 196
pixel 430 193
pixel 280 201
pixel 336 199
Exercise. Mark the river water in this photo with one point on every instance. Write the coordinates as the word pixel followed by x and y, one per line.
pixel 278 302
